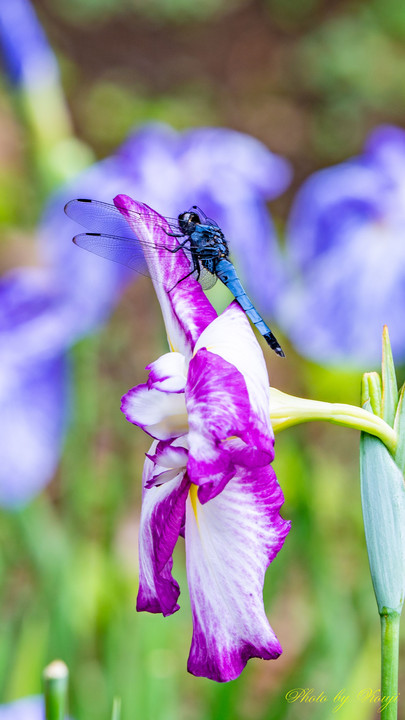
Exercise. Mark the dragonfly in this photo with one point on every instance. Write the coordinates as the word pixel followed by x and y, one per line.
pixel 199 237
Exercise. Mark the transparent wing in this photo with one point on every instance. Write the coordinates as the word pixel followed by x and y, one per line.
pixel 127 251
pixel 205 219
pixel 207 280
pixel 113 238
pixel 107 219
pixel 130 252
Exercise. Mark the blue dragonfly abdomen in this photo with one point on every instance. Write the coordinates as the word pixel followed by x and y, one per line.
pixel 226 272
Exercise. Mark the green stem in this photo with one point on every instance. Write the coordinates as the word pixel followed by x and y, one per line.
pixel 389 664
pixel 55 680
pixel 116 711
pixel 286 410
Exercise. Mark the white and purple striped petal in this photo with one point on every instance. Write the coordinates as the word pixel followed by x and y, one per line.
pixel 186 310
pixel 227 399
pixel 230 541
pixel 162 517
pixel 231 337
pixel 160 414
pixel 168 373
pixel 218 408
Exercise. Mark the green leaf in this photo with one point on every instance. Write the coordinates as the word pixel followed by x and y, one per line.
pixel 399 427
pixel 389 381
pixel 383 503
pixel 371 392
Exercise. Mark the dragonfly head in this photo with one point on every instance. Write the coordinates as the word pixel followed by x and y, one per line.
pixel 187 221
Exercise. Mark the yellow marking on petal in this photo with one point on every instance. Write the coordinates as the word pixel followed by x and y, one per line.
pixel 228 439
pixel 194 500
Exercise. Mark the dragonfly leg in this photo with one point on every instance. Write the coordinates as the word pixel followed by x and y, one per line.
pixel 196 268
pixel 179 246
pixel 172 234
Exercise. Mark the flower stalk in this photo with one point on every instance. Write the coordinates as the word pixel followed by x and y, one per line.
pixel 286 411
pixel 55 681
pixel 389 664
pixel 383 502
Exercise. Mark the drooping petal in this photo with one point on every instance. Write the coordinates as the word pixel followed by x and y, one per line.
pixel 168 373
pixel 160 414
pixel 186 310
pixel 162 517
pixel 230 541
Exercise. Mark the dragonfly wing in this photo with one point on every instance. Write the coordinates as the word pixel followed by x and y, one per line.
pixel 114 239
pixel 107 219
pixel 204 218
pixel 127 251
pixel 207 279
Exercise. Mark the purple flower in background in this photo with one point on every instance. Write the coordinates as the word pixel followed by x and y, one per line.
pixel 29 61
pixel 30 708
pixel 32 69
pixel 33 383
pixel 207 475
pixel 345 242
pixel 230 174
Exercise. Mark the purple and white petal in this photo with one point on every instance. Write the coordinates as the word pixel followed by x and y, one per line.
pixel 230 541
pixel 171 453
pixel 218 408
pixel 168 373
pixel 160 414
pixel 231 337
pixel 162 517
pixel 162 477
pixel 186 310
pixel 227 398
pixel 169 460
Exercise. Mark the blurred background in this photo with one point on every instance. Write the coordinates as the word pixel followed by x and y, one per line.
pixel 320 85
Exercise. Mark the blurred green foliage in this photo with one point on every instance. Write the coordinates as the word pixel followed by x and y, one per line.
pixel 309 79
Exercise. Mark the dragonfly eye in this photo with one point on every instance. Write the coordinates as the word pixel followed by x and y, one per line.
pixel 187 220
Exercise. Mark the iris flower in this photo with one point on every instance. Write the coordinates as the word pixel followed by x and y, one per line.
pixel 347 257
pixel 208 474
pixel 46 310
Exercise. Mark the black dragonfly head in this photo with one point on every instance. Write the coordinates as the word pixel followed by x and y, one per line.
pixel 188 220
